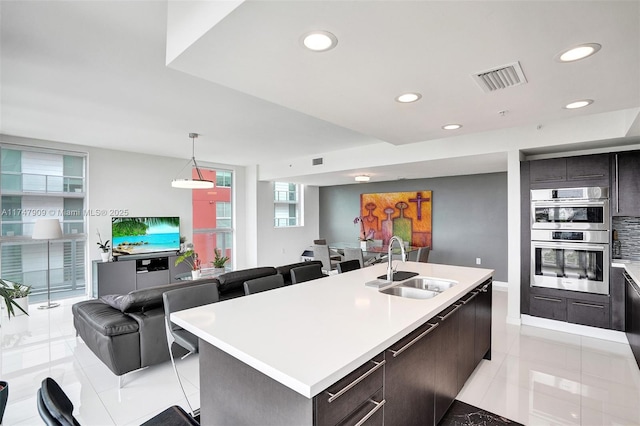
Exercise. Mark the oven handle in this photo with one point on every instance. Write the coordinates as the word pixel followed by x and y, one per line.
pixel 569 203
pixel 570 246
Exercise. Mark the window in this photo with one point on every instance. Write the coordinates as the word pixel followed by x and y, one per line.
pixel 287 204
pixel 39 183
pixel 223 178
pixel 212 217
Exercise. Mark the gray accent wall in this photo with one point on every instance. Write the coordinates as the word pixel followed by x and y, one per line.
pixel 469 217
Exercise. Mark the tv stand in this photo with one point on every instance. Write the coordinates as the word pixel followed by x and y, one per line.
pixel 135 272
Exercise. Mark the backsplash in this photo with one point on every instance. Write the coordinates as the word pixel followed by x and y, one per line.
pixel 629 235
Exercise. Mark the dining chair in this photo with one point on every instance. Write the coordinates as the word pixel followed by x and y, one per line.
pixel 306 273
pixel 423 255
pixel 348 265
pixel 321 253
pixel 354 253
pixel 56 409
pixel 179 300
pixel 333 255
pixel 263 284
pixel 321 242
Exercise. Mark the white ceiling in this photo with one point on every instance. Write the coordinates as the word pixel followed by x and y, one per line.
pixel 93 73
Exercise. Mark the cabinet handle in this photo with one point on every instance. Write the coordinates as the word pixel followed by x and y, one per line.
pixel 334 396
pixel 474 294
pixel 548 299
pixel 617 187
pixel 587 176
pixel 442 318
pixel 378 405
pixel 405 347
pixel 549 179
pixel 588 305
pixel 485 288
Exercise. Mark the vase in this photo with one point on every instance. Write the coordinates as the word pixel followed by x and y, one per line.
pixel 195 274
pixel 105 256
pixel 23 302
pixel 363 245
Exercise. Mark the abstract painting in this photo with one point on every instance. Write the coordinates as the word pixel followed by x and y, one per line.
pixel 405 214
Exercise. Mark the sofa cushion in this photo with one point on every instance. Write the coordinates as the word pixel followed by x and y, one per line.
pixel 147 298
pixel 105 319
pixel 235 279
pixel 285 270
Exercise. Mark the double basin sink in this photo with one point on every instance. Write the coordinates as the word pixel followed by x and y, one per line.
pixel 419 288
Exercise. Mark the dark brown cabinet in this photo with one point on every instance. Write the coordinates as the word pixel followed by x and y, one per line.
pixel 617 291
pixel 625 200
pixel 584 170
pixel 344 400
pixel 482 342
pixel 595 314
pixel 551 307
pixel 571 306
pixel 446 361
pixel 410 379
pixel 466 338
pixel 632 323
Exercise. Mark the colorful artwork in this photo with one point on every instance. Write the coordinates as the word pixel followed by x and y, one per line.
pixel 405 214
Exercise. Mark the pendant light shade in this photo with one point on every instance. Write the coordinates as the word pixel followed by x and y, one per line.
pixel 200 182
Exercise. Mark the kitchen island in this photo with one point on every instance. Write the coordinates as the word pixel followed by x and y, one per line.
pixel 265 358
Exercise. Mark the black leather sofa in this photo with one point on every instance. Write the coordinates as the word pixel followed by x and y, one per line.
pixel 127 332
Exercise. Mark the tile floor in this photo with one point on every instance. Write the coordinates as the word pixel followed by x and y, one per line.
pixel 535 377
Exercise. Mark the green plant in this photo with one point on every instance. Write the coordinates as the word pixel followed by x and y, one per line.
pixel 219 260
pixel 103 246
pixel 191 257
pixel 8 294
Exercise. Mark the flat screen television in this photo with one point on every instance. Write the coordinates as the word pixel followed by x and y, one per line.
pixel 140 235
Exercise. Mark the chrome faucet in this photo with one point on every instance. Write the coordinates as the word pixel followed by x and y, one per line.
pixel 389 255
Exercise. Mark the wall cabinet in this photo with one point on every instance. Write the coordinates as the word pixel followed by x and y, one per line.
pixel 632 328
pixel 625 200
pixel 584 170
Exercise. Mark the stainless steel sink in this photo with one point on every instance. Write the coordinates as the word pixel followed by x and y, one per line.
pixel 409 292
pixel 431 284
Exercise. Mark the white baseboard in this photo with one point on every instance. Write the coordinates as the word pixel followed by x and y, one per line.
pixel 500 285
pixel 582 330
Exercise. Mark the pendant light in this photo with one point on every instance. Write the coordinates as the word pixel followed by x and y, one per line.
pixel 199 183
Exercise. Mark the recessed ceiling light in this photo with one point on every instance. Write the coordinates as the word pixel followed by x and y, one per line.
pixel 362 178
pixel 451 126
pixel 578 52
pixel 579 104
pixel 319 41
pixel 406 98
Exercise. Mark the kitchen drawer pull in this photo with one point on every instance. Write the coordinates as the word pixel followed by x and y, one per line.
pixel 588 305
pixel 485 288
pixel 442 318
pixel 405 347
pixel 378 405
pixel 549 179
pixel 474 294
pixel 334 396
pixel 548 299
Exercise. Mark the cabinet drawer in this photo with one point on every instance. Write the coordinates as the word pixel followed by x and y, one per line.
pixel 368 414
pixel 595 314
pixel 152 279
pixel 548 307
pixel 350 392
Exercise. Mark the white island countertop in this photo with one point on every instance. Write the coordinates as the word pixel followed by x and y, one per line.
pixel 308 336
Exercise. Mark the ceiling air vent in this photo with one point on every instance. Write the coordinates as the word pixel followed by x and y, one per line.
pixel 316 161
pixel 500 78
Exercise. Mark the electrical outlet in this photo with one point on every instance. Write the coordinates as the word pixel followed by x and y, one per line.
pixel 478 261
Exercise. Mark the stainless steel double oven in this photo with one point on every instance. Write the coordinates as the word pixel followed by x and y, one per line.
pixel 570 239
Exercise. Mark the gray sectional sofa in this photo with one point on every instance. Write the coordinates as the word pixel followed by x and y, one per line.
pixel 127 332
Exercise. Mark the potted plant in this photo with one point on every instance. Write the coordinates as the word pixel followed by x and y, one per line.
pixel 191 258
pixel 15 295
pixel 219 261
pixel 104 248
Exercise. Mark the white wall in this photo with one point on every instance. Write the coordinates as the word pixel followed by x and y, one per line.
pixel 279 246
